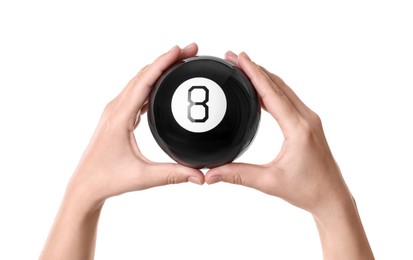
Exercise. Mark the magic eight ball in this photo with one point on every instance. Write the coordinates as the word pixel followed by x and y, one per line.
pixel 203 112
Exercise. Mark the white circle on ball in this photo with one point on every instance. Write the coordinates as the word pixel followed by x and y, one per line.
pixel 198 104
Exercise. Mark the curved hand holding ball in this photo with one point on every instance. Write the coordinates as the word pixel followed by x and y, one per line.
pixel 112 163
pixel 304 173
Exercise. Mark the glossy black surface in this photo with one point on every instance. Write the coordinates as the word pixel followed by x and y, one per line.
pixel 229 139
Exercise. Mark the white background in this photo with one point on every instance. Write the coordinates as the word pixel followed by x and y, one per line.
pixel 61 62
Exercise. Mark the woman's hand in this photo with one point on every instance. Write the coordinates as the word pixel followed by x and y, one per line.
pixel 304 173
pixel 112 164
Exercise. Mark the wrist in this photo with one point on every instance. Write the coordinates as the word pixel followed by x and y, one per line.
pixel 335 217
pixel 73 234
pixel 341 232
pixel 338 205
pixel 81 198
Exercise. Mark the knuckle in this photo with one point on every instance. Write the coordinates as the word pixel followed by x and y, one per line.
pixel 237 179
pixel 138 76
pixel 305 130
pixel 271 183
pixel 172 178
pixel 144 68
pixel 310 124
pixel 316 120
pixel 107 115
pixel 141 74
pixel 112 117
pixel 109 107
pixel 309 129
pixel 305 126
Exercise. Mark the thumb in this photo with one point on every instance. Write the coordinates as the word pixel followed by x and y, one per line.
pixel 159 174
pixel 249 175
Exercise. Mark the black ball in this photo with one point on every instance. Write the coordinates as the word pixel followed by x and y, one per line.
pixel 203 112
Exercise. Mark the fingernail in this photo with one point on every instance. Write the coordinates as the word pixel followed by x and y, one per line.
pixel 173 48
pixel 215 179
pixel 246 56
pixel 231 54
pixel 189 46
pixel 194 180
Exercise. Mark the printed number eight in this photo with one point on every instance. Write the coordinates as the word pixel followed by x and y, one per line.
pixel 203 104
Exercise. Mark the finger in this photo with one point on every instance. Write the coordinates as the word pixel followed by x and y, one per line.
pixel 186 52
pixel 189 51
pixel 137 91
pixel 155 70
pixel 301 107
pixel 274 99
pixel 158 174
pixel 249 175
pixel 295 100
pixel 144 108
pixel 231 57
pixel 137 120
pixel 136 149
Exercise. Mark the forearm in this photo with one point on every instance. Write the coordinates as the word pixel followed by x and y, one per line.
pixel 342 234
pixel 73 235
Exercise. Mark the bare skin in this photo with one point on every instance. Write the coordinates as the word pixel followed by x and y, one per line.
pixel 304 173
pixel 112 165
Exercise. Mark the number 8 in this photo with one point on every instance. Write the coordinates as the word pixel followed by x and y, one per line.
pixel 203 103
